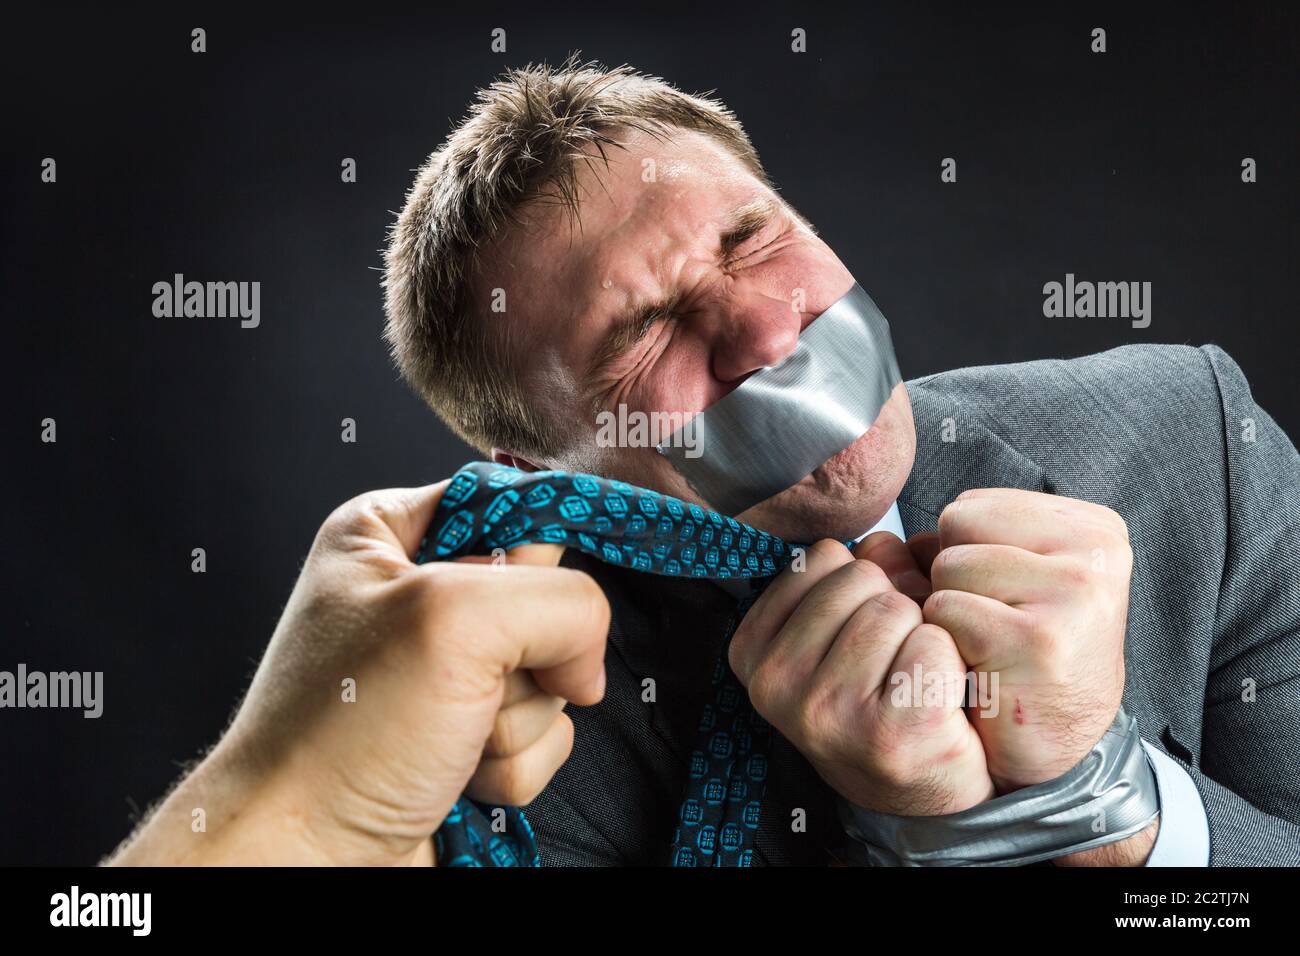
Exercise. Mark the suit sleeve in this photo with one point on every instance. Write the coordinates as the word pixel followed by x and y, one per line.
pixel 1248 773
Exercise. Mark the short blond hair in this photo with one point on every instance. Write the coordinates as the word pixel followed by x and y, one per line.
pixel 521 141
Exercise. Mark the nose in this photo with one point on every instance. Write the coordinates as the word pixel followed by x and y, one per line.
pixel 754 332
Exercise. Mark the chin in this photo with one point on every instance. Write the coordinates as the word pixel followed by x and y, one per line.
pixel 850 492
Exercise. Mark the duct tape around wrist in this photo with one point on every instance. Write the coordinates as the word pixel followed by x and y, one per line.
pixel 1109 796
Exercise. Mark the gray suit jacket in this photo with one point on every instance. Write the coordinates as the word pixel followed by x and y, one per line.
pixel 1169 437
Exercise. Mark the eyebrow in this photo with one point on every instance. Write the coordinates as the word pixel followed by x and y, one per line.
pixel 745 222
pixel 624 331
pixel 742 224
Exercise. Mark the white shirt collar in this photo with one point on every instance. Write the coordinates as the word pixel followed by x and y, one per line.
pixel 892 521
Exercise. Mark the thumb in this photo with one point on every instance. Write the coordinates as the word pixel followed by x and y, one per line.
pixel 891 555
pixel 406 513
pixel 405 516
pixel 925 548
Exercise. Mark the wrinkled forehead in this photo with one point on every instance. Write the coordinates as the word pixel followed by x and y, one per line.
pixel 635 205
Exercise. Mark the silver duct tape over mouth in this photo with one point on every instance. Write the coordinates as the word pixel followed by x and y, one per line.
pixel 783 422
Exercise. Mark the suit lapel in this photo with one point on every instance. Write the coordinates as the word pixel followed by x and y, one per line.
pixel 956 451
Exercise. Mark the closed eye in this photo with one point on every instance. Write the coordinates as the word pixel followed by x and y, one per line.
pixel 753 250
pixel 626 334
pixel 752 221
pixel 647 323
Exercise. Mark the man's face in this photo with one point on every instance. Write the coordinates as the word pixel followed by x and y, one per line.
pixel 674 286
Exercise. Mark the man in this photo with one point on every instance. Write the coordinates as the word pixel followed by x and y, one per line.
pixel 1121 528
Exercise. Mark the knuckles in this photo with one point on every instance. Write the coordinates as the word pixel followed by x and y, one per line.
pixel 818 718
pixel 1042 637
pixel 951 560
pixel 935 605
pixel 442 603
pixel 359 515
pixel 592 611
pixel 765 686
pixel 868 576
pixel 894 604
pixel 948 521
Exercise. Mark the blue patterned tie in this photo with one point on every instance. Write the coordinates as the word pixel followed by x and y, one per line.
pixel 488 507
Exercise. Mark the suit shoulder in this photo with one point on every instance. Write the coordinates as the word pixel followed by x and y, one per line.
pixel 1136 417
pixel 1147 387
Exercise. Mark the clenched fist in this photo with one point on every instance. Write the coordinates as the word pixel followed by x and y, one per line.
pixel 1034 588
pixel 460 671
pixel 817 652
pixel 1027 591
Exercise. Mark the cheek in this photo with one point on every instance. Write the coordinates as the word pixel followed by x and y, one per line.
pixel 882 458
pixel 680 378
pixel 810 272
pixel 643 467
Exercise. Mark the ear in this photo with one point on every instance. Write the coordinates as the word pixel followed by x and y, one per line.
pixel 514 461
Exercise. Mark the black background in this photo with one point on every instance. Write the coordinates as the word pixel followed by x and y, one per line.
pixel 183 433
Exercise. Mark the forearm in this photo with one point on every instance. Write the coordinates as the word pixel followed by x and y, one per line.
pixel 1131 852
pixel 223 813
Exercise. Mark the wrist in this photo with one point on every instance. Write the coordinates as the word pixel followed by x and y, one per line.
pixel 224 813
pixel 1131 852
